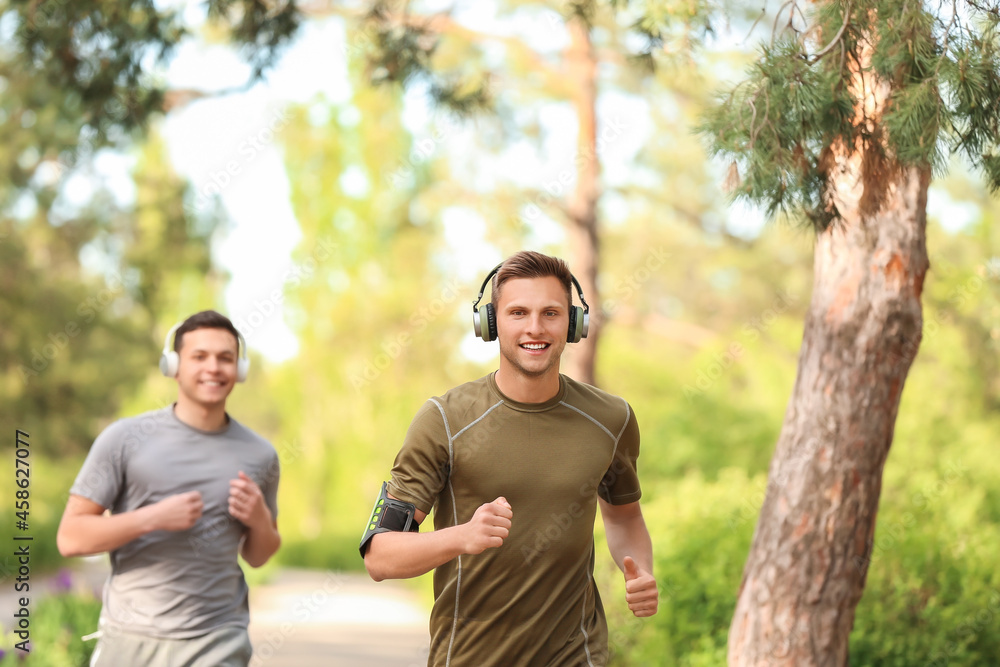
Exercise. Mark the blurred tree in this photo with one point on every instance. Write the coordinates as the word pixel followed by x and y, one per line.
pixel 845 118
pixel 75 342
pixel 95 61
pixel 85 276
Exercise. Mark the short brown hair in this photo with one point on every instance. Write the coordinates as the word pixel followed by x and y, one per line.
pixel 206 319
pixel 531 264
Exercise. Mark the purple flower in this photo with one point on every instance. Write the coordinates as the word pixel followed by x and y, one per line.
pixel 63 582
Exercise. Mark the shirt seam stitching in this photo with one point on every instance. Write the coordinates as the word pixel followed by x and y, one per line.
pixel 454 510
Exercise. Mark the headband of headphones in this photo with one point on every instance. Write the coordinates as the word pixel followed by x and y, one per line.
pixel 170 361
pixel 579 318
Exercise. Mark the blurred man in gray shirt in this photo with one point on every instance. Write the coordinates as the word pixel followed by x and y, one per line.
pixel 188 487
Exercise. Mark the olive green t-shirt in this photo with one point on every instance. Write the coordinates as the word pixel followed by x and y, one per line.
pixel 533 600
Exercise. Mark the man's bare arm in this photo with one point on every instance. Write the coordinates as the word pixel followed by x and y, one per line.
pixel 632 549
pixel 399 555
pixel 85 529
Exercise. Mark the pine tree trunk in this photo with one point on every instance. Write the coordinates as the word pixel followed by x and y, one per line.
pixel 584 239
pixel 808 562
pixel 810 553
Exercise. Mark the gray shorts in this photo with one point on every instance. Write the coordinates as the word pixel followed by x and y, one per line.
pixel 225 647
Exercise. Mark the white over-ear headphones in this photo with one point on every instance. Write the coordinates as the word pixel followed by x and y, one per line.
pixel 170 361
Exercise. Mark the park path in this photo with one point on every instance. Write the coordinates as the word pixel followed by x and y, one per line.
pixel 304 618
pixel 307 618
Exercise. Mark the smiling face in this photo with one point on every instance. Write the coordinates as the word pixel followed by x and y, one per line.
pixel 207 370
pixel 532 320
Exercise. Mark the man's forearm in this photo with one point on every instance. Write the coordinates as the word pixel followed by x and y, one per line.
pixel 260 543
pixel 630 538
pixel 88 534
pixel 398 555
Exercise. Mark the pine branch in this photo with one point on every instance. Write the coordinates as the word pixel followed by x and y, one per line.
pixel 840 33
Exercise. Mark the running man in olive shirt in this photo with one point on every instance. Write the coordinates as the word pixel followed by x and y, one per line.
pixel 515 465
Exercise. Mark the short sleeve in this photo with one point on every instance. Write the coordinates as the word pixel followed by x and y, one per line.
pixel 620 484
pixel 422 466
pixel 103 473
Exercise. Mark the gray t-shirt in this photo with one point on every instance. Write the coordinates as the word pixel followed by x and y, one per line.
pixel 176 584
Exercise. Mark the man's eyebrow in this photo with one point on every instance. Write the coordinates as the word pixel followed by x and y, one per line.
pixel 555 305
pixel 201 350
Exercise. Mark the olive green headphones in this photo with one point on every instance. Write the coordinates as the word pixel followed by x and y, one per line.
pixel 579 318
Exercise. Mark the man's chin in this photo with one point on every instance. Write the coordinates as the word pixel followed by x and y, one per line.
pixel 532 372
pixel 211 398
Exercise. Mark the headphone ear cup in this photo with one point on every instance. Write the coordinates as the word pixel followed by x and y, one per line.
pixel 477 318
pixel 169 363
pixel 575 324
pixel 242 368
pixel 487 323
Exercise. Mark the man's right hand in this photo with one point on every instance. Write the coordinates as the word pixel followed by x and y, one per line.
pixel 489 526
pixel 177 512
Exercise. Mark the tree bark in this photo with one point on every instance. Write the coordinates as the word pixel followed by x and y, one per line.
pixel 584 239
pixel 806 570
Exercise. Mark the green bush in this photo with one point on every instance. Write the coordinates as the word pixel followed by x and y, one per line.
pixel 933 592
pixel 49 488
pixel 57 624
pixel 330 551
pixel 932 596
pixel 700 541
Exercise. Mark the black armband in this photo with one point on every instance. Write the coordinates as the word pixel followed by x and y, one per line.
pixel 389 515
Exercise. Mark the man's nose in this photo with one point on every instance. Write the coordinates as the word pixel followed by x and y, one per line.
pixel 535 322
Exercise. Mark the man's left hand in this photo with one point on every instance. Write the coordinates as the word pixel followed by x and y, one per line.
pixel 246 502
pixel 640 589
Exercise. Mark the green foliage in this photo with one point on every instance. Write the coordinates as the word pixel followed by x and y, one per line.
pixel 61 334
pixel 401 50
pixel 666 24
pixel 71 327
pixel 932 595
pixel 777 123
pixel 49 488
pixel 57 624
pixel 804 97
pixel 259 30
pixel 974 87
pixel 335 550
pixel 702 342
pixel 96 57
pixel 699 552
pixel 460 69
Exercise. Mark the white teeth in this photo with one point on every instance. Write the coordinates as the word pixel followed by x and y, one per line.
pixel 535 346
